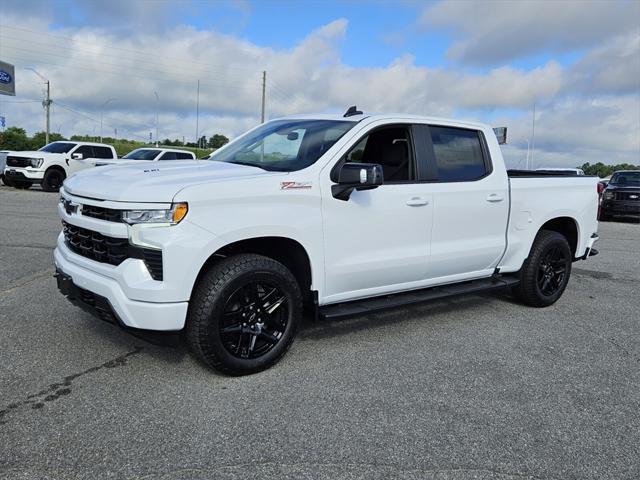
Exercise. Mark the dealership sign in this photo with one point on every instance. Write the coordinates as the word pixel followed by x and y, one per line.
pixel 7 79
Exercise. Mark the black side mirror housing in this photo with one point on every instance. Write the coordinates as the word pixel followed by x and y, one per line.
pixel 357 176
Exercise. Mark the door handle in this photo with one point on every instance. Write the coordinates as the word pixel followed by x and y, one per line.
pixel 417 202
pixel 494 197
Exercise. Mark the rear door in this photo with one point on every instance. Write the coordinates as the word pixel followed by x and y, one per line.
pixel 470 202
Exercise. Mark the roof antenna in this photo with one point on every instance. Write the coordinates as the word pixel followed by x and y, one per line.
pixel 351 111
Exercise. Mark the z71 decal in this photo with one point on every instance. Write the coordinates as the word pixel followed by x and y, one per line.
pixel 294 185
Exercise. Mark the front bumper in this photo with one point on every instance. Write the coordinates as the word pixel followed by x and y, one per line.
pixel 24 174
pixel 103 297
pixel 621 208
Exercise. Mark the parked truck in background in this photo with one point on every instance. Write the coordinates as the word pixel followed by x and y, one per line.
pixel 53 163
pixel 149 154
pixel 621 196
pixel 343 214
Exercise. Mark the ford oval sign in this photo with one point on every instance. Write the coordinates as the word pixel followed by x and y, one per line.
pixel 5 77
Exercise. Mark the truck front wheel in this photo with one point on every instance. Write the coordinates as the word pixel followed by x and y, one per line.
pixel 243 314
pixel 52 180
pixel 545 273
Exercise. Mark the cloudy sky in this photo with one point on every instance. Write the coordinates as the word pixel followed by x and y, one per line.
pixel 577 61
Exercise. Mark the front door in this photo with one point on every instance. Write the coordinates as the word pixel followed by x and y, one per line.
pixel 378 241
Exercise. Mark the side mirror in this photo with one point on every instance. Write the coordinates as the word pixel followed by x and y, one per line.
pixel 77 156
pixel 357 176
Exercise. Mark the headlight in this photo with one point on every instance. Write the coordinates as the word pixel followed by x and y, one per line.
pixel 607 195
pixel 36 162
pixel 172 216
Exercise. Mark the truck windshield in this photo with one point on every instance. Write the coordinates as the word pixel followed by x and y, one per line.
pixel 57 147
pixel 284 145
pixel 626 178
pixel 142 154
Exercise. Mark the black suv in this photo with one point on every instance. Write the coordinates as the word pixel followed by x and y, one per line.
pixel 621 198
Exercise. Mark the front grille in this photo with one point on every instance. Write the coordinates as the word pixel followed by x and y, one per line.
pixel 627 196
pixel 18 162
pixel 101 213
pixel 113 251
pixel 96 246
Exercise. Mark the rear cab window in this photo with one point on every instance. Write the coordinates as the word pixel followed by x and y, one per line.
pixel 459 154
pixel 102 152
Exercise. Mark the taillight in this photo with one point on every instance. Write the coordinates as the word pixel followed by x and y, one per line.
pixel 600 187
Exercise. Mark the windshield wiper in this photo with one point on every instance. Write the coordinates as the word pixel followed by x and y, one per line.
pixel 266 169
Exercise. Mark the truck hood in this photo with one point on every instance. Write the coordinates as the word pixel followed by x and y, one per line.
pixel 152 181
pixel 34 154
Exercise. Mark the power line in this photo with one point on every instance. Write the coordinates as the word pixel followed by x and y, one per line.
pixel 126 70
pixel 135 52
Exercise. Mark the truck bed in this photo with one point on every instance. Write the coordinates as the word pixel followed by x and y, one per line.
pixel 536 199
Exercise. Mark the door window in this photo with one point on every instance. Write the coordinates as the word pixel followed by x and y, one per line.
pixel 102 152
pixel 85 150
pixel 168 156
pixel 389 147
pixel 458 154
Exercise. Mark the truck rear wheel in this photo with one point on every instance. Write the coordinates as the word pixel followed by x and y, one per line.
pixel 243 314
pixel 545 273
pixel 52 180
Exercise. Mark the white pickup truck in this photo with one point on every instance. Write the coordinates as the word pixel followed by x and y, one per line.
pixel 54 162
pixel 342 214
pixel 149 154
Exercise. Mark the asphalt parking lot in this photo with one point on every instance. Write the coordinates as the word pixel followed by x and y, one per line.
pixel 475 387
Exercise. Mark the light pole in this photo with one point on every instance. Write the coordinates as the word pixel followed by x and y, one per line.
pixel 157 102
pixel 102 111
pixel 45 103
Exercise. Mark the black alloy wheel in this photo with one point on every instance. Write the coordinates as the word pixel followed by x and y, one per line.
pixel 52 181
pixel 552 270
pixel 545 273
pixel 254 320
pixel 243 314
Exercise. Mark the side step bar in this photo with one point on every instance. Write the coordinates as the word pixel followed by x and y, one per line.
pixel 357 307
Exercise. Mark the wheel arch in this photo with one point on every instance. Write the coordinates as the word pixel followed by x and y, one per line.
pixel 567 227
pixel 291 253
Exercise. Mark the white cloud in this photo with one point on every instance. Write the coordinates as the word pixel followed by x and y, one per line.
pixel 496 31
pixel 587 109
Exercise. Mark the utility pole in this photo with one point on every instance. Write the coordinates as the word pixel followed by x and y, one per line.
pixel 102 111
pixel 46 103
pixel 533 133
pixel 197 116
pixel 157 102
pixel 264 87
pixel 47 106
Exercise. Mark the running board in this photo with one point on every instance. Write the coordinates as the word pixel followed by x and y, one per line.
pixel 358 307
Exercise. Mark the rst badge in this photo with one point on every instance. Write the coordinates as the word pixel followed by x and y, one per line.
pixel 295 185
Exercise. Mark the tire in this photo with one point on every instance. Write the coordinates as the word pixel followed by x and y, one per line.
pixel 243 314
pixel 16 183
pixel 546 271
pixel 52 180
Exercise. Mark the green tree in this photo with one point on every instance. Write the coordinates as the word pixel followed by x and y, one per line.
pixel 217 141
pixel 602 170
pixel 39 139
pixel 14 138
